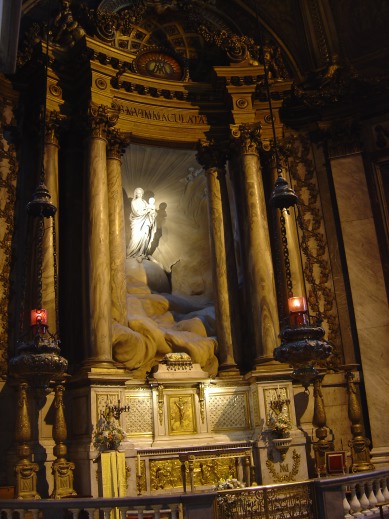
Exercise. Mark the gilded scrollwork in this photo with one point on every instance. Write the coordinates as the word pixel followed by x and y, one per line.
pixel 160 403
pixel 202 401
pixel 236 47
pixel 165 474
pixel 316 266
pixel 207 470
pixel 9 165
pixel 284 475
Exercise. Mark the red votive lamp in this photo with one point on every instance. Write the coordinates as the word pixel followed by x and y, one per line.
pixel 38 317
pixel 298 311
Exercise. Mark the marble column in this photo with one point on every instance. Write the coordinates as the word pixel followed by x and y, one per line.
pixel 117 236
pixel 293 246
pixel 212 158
pixel 259 264
pixel 51 181
pixel 99 278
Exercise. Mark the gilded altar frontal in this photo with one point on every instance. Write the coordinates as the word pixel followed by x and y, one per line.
pixel 194 245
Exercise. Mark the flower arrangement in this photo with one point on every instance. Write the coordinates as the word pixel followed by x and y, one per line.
pixel 280 425
pixel 228 484
pixel 108 435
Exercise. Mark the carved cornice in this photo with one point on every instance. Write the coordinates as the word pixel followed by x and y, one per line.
pixel 100 119
pixel 211 154
pixel 343 138
pixel 116 144
pixel 248 137
pixel 335 87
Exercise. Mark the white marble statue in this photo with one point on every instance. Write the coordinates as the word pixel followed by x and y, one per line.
pixel 143 225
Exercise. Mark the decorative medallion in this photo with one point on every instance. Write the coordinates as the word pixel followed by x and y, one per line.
pixel 159 64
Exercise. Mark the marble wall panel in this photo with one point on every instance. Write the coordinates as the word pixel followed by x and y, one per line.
pixel 367 286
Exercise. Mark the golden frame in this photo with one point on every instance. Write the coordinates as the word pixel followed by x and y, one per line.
pixel 181 414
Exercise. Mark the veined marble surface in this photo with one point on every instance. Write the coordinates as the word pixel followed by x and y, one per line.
pixel 367 287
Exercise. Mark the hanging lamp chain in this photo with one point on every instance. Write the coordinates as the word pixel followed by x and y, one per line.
pixel 39 249
pixel 285 251
pixel 268 93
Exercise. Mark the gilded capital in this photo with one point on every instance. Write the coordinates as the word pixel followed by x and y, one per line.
pixel 211 154
pixel 100 119
pixel 248 137
pixel 117 143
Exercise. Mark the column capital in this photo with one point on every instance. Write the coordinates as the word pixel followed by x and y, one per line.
pixel 248 137
pixel 211 154
pixel 100 119
pixel 53 123
pixel 117 143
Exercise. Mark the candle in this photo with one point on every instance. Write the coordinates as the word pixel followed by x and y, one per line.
pixel 298 309
pixel 38 317
pixel 138 462
pixel 297 304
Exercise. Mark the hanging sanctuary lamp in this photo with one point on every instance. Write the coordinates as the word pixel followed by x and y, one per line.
pixel 38 364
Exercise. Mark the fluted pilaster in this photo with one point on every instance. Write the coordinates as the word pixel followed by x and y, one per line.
pixel 100 315
pixel 117 236
pixel 259 263
pixel 212 158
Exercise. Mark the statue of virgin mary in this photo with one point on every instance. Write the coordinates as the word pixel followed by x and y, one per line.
pixel 143 225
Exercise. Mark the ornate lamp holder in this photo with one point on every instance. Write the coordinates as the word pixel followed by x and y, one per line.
pixel 302 344
pixel 302 347
pixel 39 365
pixel 38 359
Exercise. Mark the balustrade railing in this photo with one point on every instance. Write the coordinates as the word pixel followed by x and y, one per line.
pixel 346 497
pixel 354 495
pixel 152 507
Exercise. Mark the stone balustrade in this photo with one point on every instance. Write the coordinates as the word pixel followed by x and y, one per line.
pixel 354 495
pixel 346 497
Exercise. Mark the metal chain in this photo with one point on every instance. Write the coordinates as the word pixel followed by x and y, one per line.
pixel 39 248
pixel 55 277
pixel 285 251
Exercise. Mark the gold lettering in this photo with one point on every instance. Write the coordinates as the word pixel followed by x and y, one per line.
pixel 284 467
pixel 178 117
